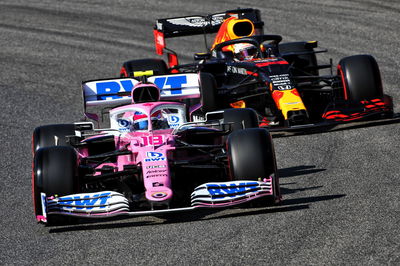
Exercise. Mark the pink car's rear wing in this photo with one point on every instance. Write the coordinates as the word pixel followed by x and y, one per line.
pixel 108 92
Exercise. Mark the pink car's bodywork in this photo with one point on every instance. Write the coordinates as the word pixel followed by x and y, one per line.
pixel 150 148
pixel 152 161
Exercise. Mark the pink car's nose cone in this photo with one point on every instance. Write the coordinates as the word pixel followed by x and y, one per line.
pixel 159 193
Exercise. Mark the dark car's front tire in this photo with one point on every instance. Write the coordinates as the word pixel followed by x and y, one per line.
pixel 361 78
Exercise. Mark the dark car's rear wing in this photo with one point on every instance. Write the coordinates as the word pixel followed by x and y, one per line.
pixel 199 24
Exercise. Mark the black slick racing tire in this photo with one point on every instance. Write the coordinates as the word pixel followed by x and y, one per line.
pixel 54 173
pixel 52 135
pixel 250 154
pixel 361 78
pixel 241 118
pixel 158 66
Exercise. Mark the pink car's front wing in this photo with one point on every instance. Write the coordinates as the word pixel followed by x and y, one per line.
pixel 108 203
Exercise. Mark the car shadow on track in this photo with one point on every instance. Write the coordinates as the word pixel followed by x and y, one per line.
pixel 285 206
pixel 299 170
pixel 340 127
pixel 192 216
pixel 201 215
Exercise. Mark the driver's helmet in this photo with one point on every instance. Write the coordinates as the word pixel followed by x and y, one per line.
pixel 244 51
pixel 158 121
pixel 140 121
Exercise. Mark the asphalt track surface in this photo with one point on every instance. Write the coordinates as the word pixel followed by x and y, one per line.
pixel 341 189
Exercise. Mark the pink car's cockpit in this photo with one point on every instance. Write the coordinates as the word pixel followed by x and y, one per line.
pixel 151 116
pixel 145 129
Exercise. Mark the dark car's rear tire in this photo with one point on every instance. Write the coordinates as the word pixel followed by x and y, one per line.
pixel 54 173
pixel 361 78
pixel 241 118
pixel 52 135
pixel 158 66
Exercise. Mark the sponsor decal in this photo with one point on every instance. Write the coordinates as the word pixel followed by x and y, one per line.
pixel 154 156
pixel 155 166
pixel 173 121
pixel 199 118
pixel 231 190
pixel 124 124
pixel 160 40
pixel 158 184
pixel 266 60
pixel 173 83
pixel 236 70
pixel 284 87
pixel 156 171
pixel 159 195
pixel 112 87
pixel 160 175
pixel 197 21
pixel 282 82
pixel 86 201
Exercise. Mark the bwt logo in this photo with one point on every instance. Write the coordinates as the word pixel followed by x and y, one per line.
pixel 124 124
pixel 154 156
pixel 112 87
pixel 231 190
pixel 86 202
pixel 104 89
pixel 174 83
pixel 173 121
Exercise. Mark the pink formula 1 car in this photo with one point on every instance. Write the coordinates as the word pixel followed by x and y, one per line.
pixel 150 160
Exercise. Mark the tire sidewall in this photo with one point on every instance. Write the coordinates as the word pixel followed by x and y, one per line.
pixel 54 173
pixel 250 154
pixel 361 79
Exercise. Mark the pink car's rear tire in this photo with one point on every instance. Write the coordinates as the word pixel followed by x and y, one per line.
pixel 51 135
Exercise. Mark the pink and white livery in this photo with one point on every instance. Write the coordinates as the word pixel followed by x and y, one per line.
pixel 150 160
